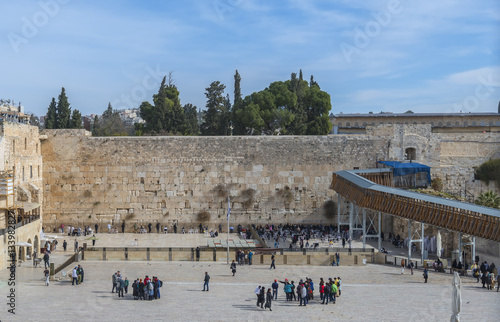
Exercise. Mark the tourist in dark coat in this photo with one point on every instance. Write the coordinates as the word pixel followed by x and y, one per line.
pixel 262 297
pixel 269 299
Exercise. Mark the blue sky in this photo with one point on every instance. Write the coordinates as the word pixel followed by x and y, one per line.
pixel 427 56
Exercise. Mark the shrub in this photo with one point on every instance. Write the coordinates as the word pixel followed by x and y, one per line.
pixel 329 209
pixel 489 171
pixel 437 184
pixel 203 216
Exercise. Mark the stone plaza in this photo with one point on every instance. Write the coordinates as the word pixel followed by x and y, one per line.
pixel 369 293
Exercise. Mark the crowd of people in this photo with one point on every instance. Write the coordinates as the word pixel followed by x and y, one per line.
pixel 303 292
pixel 147 289
pixel 488 274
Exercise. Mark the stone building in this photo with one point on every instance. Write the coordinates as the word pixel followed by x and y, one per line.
pixel 21 192
pixel 440 122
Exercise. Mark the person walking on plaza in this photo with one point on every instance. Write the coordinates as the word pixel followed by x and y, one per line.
pixel 123 227
pixel 426 275
pixel 272 262
pixel 65 245
pixel 206 280
pixel 198 254
pixel 76 246
pixel 275 286
pixel 250 255
pixel 46 274
pixel 402 266
pixel 96 227
pixel 262 297
pixel 158 227
pixel 46 260
pixel 74 275
pixel 257 292
pixel 339 285
pixel 269 299
pixel 149 226
pixel 233 267
pixel 337 257
pixel 115 281
pixel 411 267
pixel 333 294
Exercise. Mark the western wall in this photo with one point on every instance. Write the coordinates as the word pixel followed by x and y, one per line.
pixel 269 179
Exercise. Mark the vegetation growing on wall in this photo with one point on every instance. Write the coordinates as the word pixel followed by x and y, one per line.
pixel 203 216
pixel 489 171
pixel 488 199
pixel 329 209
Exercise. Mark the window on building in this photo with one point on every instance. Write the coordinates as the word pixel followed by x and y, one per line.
pixel 348 124
pixel 432 123
pixel 340 124
pixel 411 154
pixel 356 124
pixel 31 171
pixel 373 123
pixel 483 123
pixel 440 124
pixel 365 124
pixel 466 123
pixel 473 123
pixel 457 123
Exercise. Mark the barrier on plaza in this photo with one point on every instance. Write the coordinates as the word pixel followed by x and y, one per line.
pixel 323 257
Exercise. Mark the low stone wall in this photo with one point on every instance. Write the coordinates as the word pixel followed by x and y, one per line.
pixel 316 258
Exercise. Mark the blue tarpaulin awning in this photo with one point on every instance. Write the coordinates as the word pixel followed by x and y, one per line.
pixel 403 169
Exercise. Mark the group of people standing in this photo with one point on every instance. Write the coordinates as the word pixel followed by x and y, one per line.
pixel 303 292
pixel 486 273
pixel 149 289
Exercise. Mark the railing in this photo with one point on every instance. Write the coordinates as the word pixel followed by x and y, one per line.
pixel 20 224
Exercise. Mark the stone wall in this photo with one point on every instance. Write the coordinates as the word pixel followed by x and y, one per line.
pixel 91 180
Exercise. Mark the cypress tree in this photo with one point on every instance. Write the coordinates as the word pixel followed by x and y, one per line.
pixel 51 117
pixel 63 111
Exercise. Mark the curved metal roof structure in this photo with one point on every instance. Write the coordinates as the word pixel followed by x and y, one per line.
pixel 455 215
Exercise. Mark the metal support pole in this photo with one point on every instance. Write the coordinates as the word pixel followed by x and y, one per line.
pixel 338 212
pixel 473 246
pixel 409 239
pixel 351 214
pixel 460 247
pixel 423 243
pixel 379 232
pixel 364 228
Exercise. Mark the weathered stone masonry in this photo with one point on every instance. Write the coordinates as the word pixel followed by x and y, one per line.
pixel 148 179
pixel 269 178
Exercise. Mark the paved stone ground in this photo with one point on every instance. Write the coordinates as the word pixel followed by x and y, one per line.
pixel 371 293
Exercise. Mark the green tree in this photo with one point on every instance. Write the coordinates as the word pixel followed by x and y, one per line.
pixel 488 199
pixel 216 106
pixel 317 105
pixel 191 119
pixel 76 120
pixel 51 116
pixel 63 111
pixel 166 115
pixel 109 124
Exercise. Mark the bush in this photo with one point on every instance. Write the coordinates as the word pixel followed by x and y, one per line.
pixel 329 209
pixel 489 171
pixel 437 184
pixel 203 216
